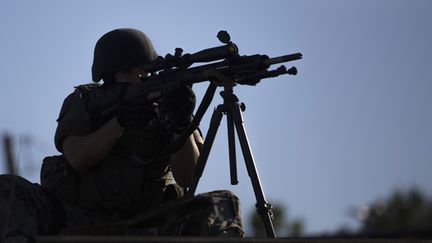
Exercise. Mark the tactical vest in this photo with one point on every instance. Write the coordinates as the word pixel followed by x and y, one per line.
pixel 122 181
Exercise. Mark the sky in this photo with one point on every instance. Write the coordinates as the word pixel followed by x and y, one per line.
pixel 353 126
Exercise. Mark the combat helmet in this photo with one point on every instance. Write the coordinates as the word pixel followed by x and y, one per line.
pixel 121 49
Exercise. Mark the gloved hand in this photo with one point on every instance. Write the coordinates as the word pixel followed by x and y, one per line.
pixel 180 104
pixel 138 113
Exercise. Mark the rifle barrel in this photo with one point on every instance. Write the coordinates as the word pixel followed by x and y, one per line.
pixel 285 58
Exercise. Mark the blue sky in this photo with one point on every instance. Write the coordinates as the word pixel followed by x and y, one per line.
pixel 351 127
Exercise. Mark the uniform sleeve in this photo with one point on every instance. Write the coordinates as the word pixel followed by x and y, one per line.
pixel 73 120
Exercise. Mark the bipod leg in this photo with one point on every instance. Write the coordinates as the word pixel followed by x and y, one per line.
pixel 263 207
pixel 208 143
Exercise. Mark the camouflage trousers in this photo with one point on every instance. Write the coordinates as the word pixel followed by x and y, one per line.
pixel 27 209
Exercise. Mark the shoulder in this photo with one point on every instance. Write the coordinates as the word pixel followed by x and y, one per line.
pixel 84 89
pixel 78 98
pixel 81 92
pixel 74 118
pixel 87 87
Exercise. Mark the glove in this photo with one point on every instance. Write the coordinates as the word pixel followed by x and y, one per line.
pixel 136 114
pixel 180 104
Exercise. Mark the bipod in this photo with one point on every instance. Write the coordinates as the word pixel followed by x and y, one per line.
pixel 233 109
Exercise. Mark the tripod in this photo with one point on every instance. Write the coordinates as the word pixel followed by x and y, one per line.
pixel 233 109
